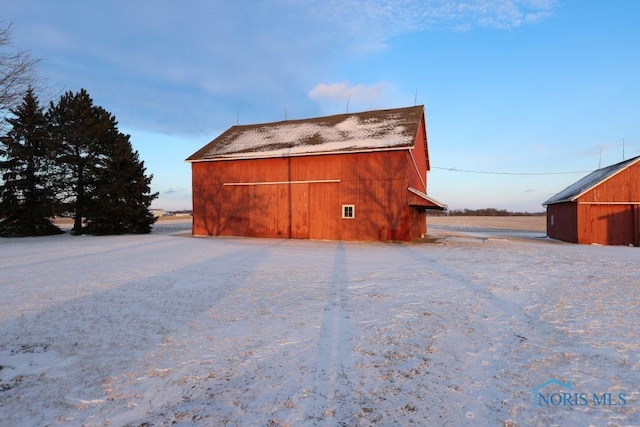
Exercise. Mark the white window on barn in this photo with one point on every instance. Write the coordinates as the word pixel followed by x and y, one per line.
pixel 552 220
pixel 348 211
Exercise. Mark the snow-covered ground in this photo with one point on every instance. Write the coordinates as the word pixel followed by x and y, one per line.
pixel 166 329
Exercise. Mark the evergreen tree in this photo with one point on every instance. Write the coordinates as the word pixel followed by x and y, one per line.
pixel 121 199
pixel 26 194
pixel 78 131
pixel 100 176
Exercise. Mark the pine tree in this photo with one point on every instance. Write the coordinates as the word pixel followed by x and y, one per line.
pixel 78 130
pixel 27 196
pixel 99 174
pixel 121 199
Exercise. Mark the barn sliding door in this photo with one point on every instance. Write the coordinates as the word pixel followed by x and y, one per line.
pixel 611 224
pixel 300 211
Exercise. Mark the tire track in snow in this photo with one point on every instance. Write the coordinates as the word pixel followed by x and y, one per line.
pixel 334 364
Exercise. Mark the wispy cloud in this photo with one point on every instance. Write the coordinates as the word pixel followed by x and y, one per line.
pixel 600 149
pixel 377 20
pixel 190 67
pixel 174 190
pixel 366 26
pixel 346 96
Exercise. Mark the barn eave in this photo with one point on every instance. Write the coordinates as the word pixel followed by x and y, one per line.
pixel 418 198
pixel 259 155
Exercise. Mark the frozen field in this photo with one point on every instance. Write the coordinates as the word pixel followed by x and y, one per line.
pixel 166 329
pixel 488 226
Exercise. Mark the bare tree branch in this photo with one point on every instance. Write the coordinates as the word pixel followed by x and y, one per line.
pixel 17 71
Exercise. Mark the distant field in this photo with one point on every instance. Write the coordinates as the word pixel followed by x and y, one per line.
pixel 175 218
pixel 522 223
pixel 60 220
pixel 164 224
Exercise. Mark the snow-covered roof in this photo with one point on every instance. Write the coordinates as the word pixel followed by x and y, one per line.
pixel 354 132
pixel 577 189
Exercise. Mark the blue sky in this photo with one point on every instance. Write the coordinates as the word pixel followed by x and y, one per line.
pixel 509 86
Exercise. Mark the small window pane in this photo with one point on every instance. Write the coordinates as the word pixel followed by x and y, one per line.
pixel 348 211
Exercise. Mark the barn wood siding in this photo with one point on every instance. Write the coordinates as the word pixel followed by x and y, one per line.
pixel 376 183
pixel 635 209
pixel 565 222
pixel 323 223
pixel 418 222
pixel 418 172
pixel 418 163
pixel 615 223
pixel 608 224
pixel 622 187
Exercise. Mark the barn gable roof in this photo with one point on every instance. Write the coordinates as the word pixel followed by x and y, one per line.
pixel 577 189
pixel 355 132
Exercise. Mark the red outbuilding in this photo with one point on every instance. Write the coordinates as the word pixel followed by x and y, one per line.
pixel 603 207
pixel 360 176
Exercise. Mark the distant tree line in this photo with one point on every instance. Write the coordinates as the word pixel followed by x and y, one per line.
pixel 487 212
pixel 69 159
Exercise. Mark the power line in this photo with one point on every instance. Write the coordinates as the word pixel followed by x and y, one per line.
pixel 509 173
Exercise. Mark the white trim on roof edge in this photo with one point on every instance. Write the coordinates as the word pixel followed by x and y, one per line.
pixel 576 197
pixel 609 203
pixel 324 153
pixel 604 180
pixel 415 165
pixel 428 198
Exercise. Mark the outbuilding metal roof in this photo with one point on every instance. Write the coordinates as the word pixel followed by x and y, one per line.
pixel 577 189
pixel 354 132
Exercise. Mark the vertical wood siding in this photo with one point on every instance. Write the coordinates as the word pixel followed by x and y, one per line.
pixel 562 222
pixel 376 183
pixel 611 224
pixel 623 187
pixel 607 224
pixel 601 215
pixel 418 222
pixel 418 176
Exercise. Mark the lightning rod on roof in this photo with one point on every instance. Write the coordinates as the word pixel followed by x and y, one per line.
pixel 237 116
pixel 600 161
pixel 348 98
pixel 623 149
pixel 415 98
pixel 285 111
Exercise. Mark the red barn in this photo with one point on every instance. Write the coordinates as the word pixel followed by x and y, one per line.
pixel 360 176
pixel 603 207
